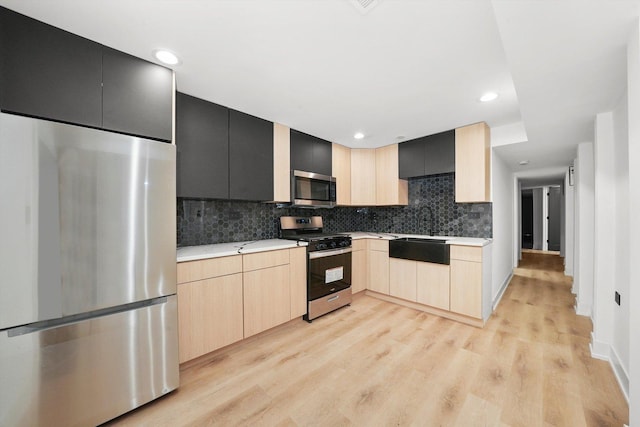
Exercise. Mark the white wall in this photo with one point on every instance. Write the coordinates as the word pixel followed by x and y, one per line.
pixel 568 226
pixel 503 202
pixel 620 346
pixel 604 254
pixel 584 229
pixel 633 93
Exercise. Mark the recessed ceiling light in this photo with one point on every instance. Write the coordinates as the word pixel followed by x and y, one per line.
pixel 489 96
pixel 523 162
pixel 358 135
pixel 166 57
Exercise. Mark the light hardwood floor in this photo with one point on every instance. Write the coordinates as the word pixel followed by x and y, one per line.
pixel 378 364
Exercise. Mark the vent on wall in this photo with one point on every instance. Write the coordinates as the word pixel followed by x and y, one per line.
pixel 365 6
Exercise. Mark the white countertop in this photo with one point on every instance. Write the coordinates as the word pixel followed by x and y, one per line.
pixel 192 253
pixel 466 241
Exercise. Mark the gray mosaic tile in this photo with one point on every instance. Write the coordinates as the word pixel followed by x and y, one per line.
pixel 431 210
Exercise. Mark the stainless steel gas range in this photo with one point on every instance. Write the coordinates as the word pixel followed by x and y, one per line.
pixel 328 264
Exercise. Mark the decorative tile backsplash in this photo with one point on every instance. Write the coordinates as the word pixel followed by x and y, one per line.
pixel 432 211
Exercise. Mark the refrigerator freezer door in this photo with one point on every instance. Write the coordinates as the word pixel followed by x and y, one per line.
pixel 89 372
pixel 92 217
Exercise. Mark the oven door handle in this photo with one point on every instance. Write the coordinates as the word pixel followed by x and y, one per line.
pixel 331 252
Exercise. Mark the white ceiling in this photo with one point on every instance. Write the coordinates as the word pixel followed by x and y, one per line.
pixel 405 69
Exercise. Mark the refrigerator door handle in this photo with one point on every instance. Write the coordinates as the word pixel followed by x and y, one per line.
pixel 63 321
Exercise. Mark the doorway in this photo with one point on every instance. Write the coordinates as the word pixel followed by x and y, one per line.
pixel 541 218
pixel 527 219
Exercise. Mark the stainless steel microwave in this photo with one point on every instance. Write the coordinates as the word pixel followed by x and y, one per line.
pixel 312 190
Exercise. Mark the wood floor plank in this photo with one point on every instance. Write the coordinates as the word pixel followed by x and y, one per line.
pixel 376 363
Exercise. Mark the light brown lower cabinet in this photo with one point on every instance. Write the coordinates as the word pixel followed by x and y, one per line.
pixel 209 315
pixel 433 284
pixel 378 266
pixel 267 299
pixel 466 281
pixel 219 303
pixel 359 266
pixel 402 278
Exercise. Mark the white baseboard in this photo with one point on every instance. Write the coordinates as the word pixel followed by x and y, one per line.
pixel 603 351
pixel 503 288
pixel 599 350
pixel 620 372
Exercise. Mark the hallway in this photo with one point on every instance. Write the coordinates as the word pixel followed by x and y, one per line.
pixel 379 364
pixel 538 307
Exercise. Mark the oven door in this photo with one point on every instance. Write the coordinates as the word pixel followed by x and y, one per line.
pixel 329 272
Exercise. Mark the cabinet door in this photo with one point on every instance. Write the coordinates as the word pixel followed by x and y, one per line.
pixel 440 153
pixel 402 278
pixel 250 157
pixel 379 272
pixel 209 315
pixel 301 151
pixel 322 157
pixel 309 153
pixel 390 190
pixel 358 271
pixel 473 163
pixel 49 73
pixel 411 160
pixel 341 170
pixel 363 177
pixel 137 96
pixel 267 299
pixel 433 284
pixel 466 288
pixel 202 143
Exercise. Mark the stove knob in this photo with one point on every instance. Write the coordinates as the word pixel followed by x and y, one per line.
pixel 333 245
pixel 321 246
pixel 344 243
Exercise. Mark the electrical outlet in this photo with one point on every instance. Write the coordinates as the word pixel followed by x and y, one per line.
pixel 617 298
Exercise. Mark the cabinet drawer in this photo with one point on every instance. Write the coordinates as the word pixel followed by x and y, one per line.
pixel 265 259
pixel 466 253
pixel 207 268
pixel 359 245
pixel 379 245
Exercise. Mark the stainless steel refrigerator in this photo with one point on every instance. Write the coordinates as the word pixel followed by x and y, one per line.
pixel 88 312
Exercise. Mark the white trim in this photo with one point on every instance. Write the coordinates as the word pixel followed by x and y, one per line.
pixel 599 349
pixel 603 351
pixel 621 374
pixel 503 288
pixel 583 309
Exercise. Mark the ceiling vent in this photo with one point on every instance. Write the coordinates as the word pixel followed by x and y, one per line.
pixel 365 6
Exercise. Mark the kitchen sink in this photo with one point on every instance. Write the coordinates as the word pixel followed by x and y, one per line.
pixel 419 249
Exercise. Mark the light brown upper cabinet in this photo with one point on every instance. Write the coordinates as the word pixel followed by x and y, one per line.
pixel 473 164
pixel 341 166
pixel 389 189
pixel 363 177
pixel 281 163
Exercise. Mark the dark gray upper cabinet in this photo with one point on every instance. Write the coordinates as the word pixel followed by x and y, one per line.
pixel 52 74
pixel 429 155
pixel 202 143
pixel 137 96
pixel 250 157
pixel 411 158
pixel 440 156
pixel 49 73
pixel 309 153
